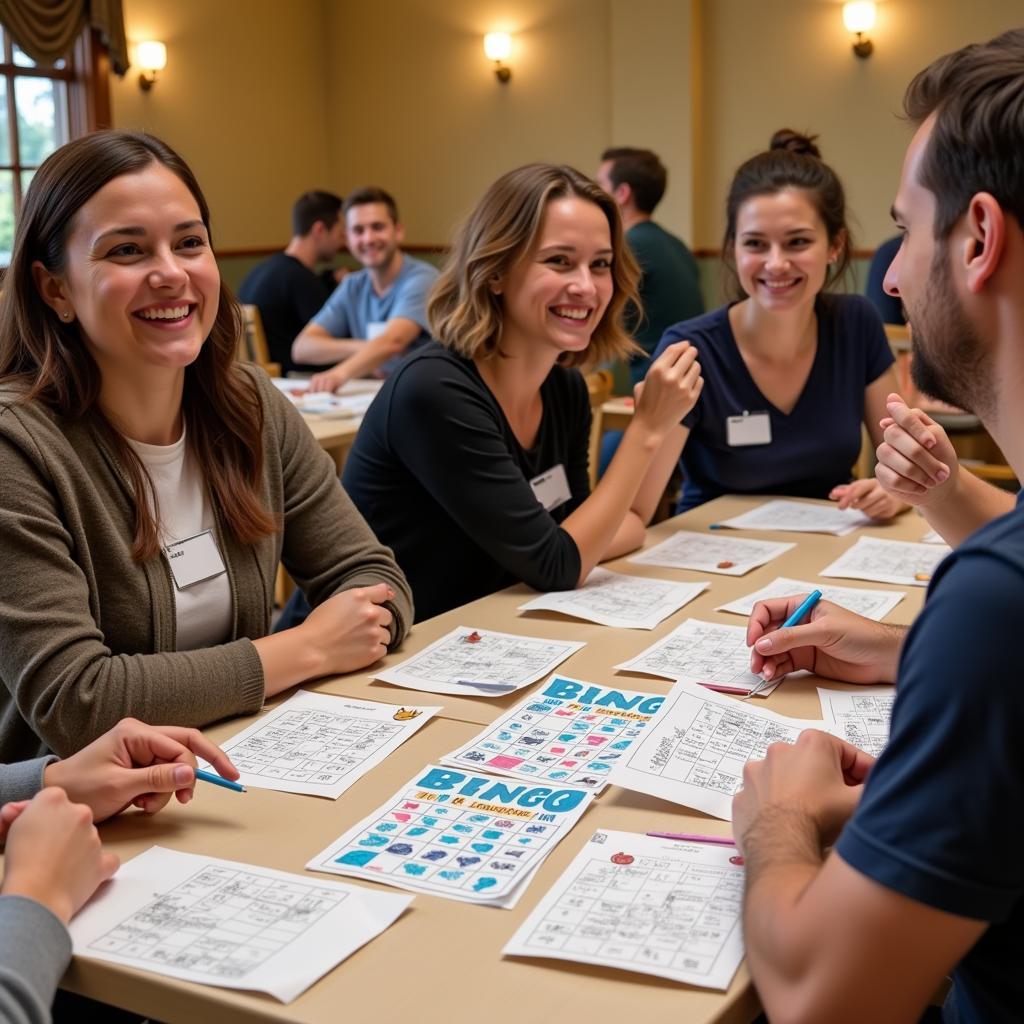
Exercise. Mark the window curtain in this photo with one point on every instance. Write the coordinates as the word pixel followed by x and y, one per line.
pixel 46 29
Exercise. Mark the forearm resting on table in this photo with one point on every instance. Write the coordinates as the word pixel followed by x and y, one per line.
pixel 372 354
pixel 316 346
pixel 288 660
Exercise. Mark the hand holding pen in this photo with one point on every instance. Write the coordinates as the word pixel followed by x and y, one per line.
pixel 794 619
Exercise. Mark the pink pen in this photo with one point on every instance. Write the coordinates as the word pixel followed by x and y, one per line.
pixel 686 838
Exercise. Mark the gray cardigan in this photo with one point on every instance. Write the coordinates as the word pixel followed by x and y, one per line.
pixel 87 635
pixel 35 947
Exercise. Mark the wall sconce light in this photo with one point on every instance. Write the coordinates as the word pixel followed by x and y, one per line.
pixel 859 18
pixel 151 57
pixel 498 47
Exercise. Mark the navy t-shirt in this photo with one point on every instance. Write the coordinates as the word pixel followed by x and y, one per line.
pixel 942 816
pixel 814 446
pixel 439 475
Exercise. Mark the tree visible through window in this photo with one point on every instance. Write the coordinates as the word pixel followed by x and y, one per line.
pixel 34 120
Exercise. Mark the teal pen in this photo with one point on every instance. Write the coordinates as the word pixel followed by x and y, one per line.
pixel 217 780
pixel 795 619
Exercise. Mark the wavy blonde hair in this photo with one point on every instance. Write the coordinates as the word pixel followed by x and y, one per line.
pixel 466 316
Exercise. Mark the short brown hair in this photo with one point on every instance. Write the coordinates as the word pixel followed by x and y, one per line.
pixel 371 194
pixel 314 207
pixel 977 145
pixel 466 316
pixel 642 171
pixel 792 160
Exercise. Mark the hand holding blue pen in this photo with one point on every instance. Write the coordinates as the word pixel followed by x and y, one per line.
pixel 802 611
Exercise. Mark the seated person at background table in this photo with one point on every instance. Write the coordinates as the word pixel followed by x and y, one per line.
pixel 151 483
pixel 669 280
pixel 285 288
pixel 472 460
pixel 53 859
pixel 889 309
pixel 925 874
pixel 376 315
pixel 791 371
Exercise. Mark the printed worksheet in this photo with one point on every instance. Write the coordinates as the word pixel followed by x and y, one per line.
pixel 351 401
pixel 860 716
pixel 320 744
pixel 709 653
pixel 931 537
pixel 632 602
pixel 799 517
pixel 480 663
pixel 655 906
pixel 872 604
pixel 461 835
pixel 694 751
pixel 570 732
pixel 218 922
pixel 705 552
pixel 888 561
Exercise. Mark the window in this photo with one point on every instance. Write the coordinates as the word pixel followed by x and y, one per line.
pixel 35 118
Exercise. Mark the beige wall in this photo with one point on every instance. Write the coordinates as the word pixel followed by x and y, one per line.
pixel 243 98
pixel 267 98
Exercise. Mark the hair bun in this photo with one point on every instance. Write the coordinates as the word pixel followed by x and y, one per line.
pixel 794 142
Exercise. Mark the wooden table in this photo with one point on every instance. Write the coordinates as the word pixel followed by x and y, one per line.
pixel 441 952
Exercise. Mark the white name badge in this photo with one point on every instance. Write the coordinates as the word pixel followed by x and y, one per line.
pixel 750 428
pixel 194 559
pixel 375 328
pixel 551 488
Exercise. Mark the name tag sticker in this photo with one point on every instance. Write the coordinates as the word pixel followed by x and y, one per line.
pixel 551 488
pixel 750 428
pixel 375 328
pixel 194 559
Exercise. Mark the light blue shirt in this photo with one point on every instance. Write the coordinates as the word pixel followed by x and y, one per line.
pixel 354 305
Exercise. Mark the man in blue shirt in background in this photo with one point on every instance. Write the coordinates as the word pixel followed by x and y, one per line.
pixel 927 872
pixel 377 314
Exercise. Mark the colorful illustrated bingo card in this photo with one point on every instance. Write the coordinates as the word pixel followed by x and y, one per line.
pixel 708 653
pixel 888 561
pixel 706 552
pixel 694 751
pixel 320 744
pixel 656 906
pixel 872 604
pixel 218 922
pixel 479 663
pixel 465 836
pixel 630 602
pixel 799 517
pixel 860 716
pixel 570 732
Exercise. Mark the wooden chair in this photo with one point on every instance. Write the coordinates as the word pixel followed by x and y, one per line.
pixel 252 345
pixel 599 384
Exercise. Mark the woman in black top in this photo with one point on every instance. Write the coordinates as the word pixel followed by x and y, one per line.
pixel 472 461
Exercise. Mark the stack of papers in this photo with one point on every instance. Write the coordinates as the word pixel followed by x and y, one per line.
pixel 730 556
pixel 461 835
pixel 799 517
pixel 872 604
pixel 631 602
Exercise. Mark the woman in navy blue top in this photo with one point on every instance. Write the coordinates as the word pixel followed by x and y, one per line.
pixel 790 372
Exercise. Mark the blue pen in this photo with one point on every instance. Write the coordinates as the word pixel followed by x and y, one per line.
pixel 795 619
pixel 217 780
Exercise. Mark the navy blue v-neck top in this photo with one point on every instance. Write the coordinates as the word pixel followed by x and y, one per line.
pixel 814 446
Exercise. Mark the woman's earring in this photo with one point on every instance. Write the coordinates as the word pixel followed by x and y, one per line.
pixel 66 315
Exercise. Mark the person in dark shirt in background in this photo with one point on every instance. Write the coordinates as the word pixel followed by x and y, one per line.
pixel 889 307
pixel 286 288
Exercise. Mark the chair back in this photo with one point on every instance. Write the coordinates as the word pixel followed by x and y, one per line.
pixel 252 345
pixel 599 385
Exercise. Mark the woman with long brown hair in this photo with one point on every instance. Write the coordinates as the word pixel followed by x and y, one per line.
pixel 151 484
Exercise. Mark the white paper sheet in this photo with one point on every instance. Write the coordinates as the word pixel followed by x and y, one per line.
pixel 888 561
pixel 872 604
pixel 219 922
pixel 570 733
pixel 351 401
pixel 799 517
pixel 694 751
pixel 319 744
pixel 710 653
pixel 461 835
pixel 931 537
pixel 479 663
pixel 655 906
pixel 703 552
pixel 630 602
pixel 860 716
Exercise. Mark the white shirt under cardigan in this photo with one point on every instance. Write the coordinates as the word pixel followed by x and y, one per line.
pixel 183 509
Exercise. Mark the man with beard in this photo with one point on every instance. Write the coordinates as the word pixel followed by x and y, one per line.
pixel 925 875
